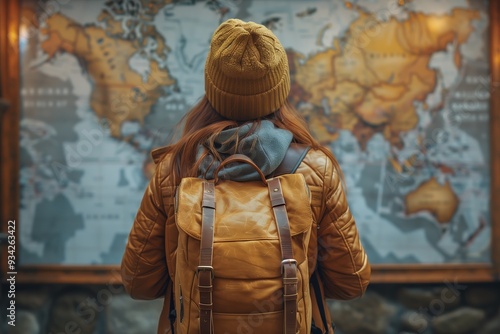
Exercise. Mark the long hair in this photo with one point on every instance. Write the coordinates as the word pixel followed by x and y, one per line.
pixel 202 124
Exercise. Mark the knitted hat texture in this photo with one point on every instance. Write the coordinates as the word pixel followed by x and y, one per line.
pixel 246 71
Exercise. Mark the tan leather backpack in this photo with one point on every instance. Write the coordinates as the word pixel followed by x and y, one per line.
pixel 241 259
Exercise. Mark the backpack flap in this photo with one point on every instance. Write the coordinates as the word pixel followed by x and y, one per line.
pixel 244 217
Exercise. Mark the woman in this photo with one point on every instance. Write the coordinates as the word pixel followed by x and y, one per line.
pixel 244 110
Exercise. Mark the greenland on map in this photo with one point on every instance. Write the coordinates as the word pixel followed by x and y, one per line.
pixel 398 90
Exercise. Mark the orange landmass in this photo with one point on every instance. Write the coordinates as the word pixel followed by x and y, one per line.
pixel 317 71
pixel 396 165
pixel 363 132
pixel 152 7
pixel 113 27
pixel 372 77
pixel 150 31
pixel 322 128
pixel 457 58
pixel 439 200
pixel 119 93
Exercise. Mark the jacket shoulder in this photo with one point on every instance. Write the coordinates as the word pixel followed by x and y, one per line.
pixel 162 159
pixel 315 166
pixel 158 154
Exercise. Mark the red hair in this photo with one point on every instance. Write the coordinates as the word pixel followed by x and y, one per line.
pixel 202 124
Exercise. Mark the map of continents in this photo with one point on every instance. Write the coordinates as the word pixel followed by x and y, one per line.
pixel 397 92
pixel 119 94
pixel 370 81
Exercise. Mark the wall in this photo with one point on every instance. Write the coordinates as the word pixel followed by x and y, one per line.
pixel 447 308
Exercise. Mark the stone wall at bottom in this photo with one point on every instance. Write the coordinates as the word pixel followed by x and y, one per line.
pixel 447 308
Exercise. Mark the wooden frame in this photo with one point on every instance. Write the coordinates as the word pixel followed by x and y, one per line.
pixel 9 195
pixel 9 124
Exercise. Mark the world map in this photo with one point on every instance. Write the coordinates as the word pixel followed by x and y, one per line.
pixel 398 90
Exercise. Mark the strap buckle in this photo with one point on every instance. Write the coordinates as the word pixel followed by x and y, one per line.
pixel 287 262
pixel 206 268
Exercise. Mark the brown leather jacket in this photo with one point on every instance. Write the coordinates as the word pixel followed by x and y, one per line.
pixel 335 248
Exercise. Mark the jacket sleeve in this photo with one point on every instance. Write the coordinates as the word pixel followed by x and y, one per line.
pixel 143 269
pixel 342 260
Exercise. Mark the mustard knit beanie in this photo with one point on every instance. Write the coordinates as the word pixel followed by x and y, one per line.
pixel 246 72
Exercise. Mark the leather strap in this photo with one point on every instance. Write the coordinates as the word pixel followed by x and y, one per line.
pixel 293 157
pixel 319 299
pixel 288 263
pixel 238 158
pixel 172 315
pixel 205 269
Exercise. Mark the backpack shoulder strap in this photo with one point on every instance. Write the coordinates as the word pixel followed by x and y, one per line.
pixel 319 299
pixel 293 157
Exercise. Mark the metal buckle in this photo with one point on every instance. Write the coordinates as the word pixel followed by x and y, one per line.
pixel 287 261
pixel 206 268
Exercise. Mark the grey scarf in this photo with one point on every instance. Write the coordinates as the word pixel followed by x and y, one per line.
pixel 266 146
